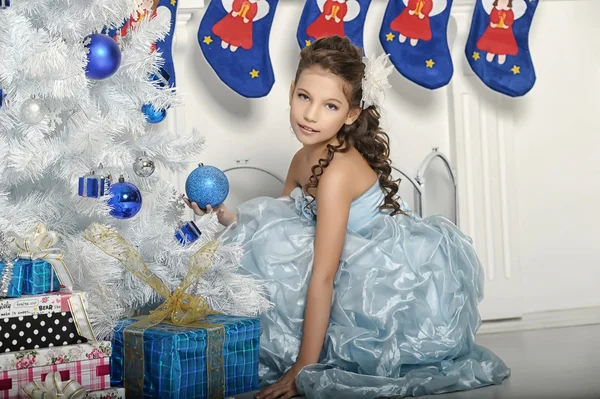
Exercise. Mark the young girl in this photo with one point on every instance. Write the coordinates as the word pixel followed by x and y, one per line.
pixel 370 300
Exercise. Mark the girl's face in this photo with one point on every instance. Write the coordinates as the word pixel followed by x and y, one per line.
pixel 318 106
pixel 146 4
pixel 503 3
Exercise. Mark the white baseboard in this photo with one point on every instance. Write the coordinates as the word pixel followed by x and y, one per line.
pixel 551 319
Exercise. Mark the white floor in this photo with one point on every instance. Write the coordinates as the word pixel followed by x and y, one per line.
pixel 560 363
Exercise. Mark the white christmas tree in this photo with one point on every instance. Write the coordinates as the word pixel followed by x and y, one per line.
pixel 57 124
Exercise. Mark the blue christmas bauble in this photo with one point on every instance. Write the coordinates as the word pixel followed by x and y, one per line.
pixel 126 200
pixel 207 185
pixel 152 114
pixel 104 57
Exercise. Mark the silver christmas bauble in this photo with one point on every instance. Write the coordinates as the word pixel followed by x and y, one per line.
pixel 33 111
pixel 144 166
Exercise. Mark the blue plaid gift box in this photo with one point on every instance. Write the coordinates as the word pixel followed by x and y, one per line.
pixel 38 267
pixel 177 360
pixel 39 277
pixel 27 277
pixel 4 3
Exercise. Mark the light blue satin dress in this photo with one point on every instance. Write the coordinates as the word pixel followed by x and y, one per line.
pixel 404 310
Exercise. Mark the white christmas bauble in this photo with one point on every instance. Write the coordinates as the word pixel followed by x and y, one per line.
pixel 33 111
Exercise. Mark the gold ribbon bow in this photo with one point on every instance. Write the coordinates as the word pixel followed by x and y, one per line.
pixel 53 388
pixel 39 244
pixel 179 307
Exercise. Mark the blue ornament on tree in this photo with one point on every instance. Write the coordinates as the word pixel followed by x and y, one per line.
pixel 104 56
pixel 126 199
pixel 2 97
pixel 187 233
pixel 207 185
pixel 152 114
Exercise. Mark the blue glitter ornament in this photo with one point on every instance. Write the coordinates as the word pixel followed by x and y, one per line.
pixel 207 185
pixel 152 114
pixel 104 56
pixel 126 199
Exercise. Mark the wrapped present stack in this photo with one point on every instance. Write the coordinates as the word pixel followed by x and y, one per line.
pixel 47 346
pixel 182 349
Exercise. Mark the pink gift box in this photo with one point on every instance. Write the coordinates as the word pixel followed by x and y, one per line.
pixel 55 355
pixel 93 375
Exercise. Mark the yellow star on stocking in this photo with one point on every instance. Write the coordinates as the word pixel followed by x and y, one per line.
pixel 254 73
pixel 173 2
pixel 429 63
pixel 516 69
pixel 476 55
pixel 207 40
pixel 390 36
pixel 307 43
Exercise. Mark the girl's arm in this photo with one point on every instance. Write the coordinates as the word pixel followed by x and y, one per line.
pixel 334 200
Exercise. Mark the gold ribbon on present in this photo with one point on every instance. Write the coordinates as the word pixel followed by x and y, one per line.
pixel 53 388
pixel 39 244
pixel 179 307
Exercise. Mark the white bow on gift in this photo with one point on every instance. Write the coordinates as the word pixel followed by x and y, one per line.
pixel 39 244
pixel 53 388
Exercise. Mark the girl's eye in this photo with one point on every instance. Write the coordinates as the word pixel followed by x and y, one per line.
pixel 332 107
pixel 302 96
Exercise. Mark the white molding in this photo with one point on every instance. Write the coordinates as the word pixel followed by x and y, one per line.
pixel 183 17
pixel 542 320
pixel 482 150
pixel 191 4
pixel 187 8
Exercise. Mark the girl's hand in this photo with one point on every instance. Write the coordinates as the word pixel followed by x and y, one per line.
pixel 224 215
pixel 284 388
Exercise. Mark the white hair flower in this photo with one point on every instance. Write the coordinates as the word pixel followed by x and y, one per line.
pixel 375 80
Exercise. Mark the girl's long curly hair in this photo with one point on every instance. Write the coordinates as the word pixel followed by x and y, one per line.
pixel 339 56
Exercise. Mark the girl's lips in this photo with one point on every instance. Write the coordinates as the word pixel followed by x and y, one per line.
pixel 307 129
